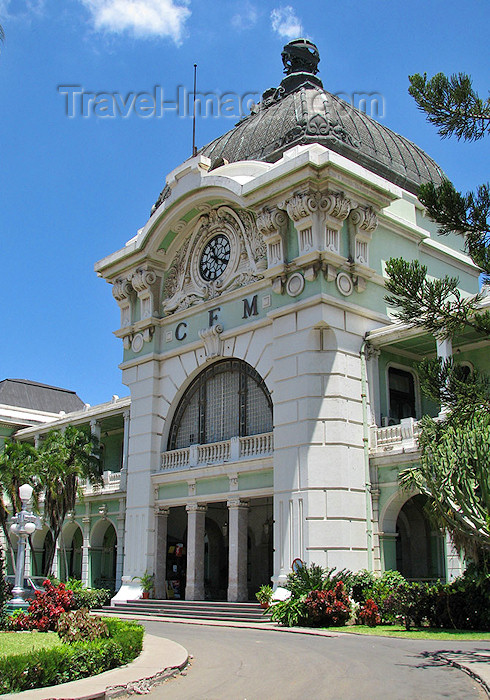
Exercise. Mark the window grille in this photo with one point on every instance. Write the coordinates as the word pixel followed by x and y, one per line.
pixel 226 400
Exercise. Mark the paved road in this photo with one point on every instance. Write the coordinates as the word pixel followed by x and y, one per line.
pixel 246 664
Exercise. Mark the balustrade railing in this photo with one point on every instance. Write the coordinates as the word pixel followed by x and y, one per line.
pixel 233 450
pixel 403 434
pixel 111 482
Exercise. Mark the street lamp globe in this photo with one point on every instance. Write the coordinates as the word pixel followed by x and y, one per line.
pixel 25 492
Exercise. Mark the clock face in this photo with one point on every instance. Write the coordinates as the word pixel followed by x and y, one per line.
pixel 215 258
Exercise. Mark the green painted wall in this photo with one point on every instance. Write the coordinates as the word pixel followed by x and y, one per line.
pixel 112 453
pixel 256 480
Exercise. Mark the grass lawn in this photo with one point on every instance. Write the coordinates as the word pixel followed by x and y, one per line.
pixel 12 643
pixel 424 633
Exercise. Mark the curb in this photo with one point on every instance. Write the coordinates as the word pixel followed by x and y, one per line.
pixel 466 669
pixel 138 677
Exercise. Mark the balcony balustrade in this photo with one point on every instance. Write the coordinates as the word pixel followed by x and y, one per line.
pixel 233 450
pixel 402 435
pixel 112 482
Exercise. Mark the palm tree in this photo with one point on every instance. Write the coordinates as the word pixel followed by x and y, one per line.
pixel 17 467
pixel 65 458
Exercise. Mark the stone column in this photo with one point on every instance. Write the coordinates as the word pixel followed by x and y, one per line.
pixel 120 544
pixel 124 467
pixel 196 517
pixel 85 550
pixel 161 551
pixel 237 550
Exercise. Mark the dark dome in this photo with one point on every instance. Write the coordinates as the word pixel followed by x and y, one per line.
pixel 311 115
pixel 300 111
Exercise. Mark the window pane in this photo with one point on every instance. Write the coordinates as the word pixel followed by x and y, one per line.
pixel 222 408
pixel 259 416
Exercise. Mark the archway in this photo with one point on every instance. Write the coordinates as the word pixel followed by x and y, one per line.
pixel 102 557
pixel 70 552
pixel 41 550
pixel 419 545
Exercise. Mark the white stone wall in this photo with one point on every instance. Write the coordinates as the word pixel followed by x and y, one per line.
pixel 319 482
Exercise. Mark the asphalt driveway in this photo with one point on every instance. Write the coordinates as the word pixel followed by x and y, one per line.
pixel 239 664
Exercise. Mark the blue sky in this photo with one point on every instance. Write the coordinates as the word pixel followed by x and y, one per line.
pixel 73 190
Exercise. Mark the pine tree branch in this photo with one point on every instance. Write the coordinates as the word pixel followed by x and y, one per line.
pixel 452 105
pixel 436 305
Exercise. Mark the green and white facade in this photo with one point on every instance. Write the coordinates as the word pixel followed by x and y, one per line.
pixel 273 401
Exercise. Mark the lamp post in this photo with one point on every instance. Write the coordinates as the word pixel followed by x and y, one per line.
pixel 23 525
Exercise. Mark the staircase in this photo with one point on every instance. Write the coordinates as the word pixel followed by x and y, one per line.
pixel 190 609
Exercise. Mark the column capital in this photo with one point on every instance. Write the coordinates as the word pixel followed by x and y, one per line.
pixel 237 503
pixel 162 511
pixel 196 508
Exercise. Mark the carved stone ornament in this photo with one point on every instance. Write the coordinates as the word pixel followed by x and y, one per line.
pixel 344 284
pixel 272 225
pixel 213 345
pixel 364 218
pixel 184 284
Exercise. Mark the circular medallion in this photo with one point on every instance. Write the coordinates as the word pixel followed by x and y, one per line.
pixel 344 284
pixel 295 284
pixel 137 343
pixel 215 258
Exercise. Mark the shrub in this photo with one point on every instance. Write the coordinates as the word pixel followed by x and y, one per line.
pixel 47 667
pixel 369 614
pixel 331 608
pixel 4 592
pixel 362 585
pixel 45 609
pixel 78 625
pixel 290 613
pixel 90 597
pixel 314 578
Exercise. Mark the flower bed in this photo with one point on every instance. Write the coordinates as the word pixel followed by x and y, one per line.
pixel 70 662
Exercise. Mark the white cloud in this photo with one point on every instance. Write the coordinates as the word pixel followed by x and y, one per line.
pixel 246 18
pixel 143 18
pixel 286 23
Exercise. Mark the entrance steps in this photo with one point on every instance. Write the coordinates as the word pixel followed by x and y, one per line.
pixel 191 609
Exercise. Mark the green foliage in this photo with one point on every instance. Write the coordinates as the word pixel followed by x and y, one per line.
pixel 64 458
pixel 453 471
pixel 290 613
pixel 78 625
pixel 48 667
pixel 365 585
pixel 362 585
pixel 264 594
pixel 436 305
pixel 17 467
pixel 314 578
pixel 452 105
pixel 88 597
pixel 4 591
pixel 147 581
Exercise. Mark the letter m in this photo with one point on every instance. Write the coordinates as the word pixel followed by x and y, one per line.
pixel 250 307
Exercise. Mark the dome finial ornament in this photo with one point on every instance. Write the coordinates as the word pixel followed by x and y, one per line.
pixel 300 56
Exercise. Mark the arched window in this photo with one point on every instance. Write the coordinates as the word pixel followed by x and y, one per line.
pixel 227 399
